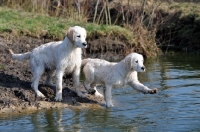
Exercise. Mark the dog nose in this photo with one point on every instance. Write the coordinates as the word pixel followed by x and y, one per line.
pixel 84 44
pixel 143 68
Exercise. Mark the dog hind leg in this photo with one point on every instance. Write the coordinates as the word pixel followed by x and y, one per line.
pixel 89 76
pixel 95 91
pixel 97 94
pixel 87 86
pixel 36 77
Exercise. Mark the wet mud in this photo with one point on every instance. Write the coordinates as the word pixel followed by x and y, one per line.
pixel 16 94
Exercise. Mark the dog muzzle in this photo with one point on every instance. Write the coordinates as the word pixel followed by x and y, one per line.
pixel 84 44
pixel 143 68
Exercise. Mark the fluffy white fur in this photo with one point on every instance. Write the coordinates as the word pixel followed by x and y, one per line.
pixel 114 75
pixel 62 56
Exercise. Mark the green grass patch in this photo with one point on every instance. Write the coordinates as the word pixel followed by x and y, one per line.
pixel 187 8
pixel 2 67
pixel 38 25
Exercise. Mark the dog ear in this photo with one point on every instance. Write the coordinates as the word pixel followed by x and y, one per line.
pixel 128 62
pixel 70 34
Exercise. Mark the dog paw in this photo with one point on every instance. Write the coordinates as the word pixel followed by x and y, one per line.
pixel 80 94
pixel 91 91
pixel 58 97
pixel 109 104
pixel 97 94
pixel 39 94
pixel 153 91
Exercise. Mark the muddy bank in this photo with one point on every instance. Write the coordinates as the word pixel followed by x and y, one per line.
pixel 16 94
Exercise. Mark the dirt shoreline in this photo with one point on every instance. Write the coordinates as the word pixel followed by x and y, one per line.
pixel 16 95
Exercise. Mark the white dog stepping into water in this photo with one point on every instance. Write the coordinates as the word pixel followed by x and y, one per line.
pixel 114 75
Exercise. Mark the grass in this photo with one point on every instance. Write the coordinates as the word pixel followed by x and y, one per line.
pixel 32 24
pixel 2 67
pixel 39 25
pixel 173 17
pixel 187 8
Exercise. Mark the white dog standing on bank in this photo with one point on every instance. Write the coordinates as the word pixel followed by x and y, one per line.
pixel 114 75
pixel 62 56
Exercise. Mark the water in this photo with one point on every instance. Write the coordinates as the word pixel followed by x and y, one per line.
pixel 175 108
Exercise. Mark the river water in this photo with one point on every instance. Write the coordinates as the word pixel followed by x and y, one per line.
pixel 176 107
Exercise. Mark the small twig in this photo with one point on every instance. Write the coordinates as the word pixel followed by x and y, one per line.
pixel 95 13
pixel 143 8
pixel 78 7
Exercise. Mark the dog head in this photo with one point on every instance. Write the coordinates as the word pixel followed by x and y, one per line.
pixel 77 36
pixel 135 62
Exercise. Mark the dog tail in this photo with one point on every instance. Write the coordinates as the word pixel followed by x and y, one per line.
pixel 85 61
pixel 20 57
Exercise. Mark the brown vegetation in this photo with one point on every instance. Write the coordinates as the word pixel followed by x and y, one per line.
pixel 129 14
pixel 153 22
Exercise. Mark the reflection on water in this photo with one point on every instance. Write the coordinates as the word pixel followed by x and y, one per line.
pixel 176 107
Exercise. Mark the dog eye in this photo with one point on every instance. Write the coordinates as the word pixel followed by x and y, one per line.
pixel 79 36
pixel 136 61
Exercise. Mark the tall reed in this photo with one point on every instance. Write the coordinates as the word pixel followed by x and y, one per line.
pixel 137 15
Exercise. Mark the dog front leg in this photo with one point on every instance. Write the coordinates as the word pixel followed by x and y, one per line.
pixel 76 75
pixel 108 96
pixel 59 76
pixel 142 88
